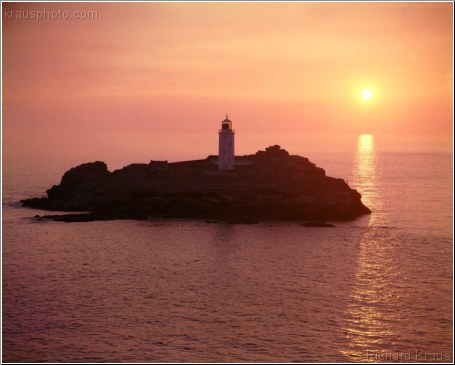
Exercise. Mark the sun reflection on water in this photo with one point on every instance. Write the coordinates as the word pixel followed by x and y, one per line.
pixel 366 318
pixel 365 143
pixel 367 326
pixel 365 174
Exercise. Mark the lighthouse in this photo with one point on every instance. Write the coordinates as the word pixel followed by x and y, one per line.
pixel 226 146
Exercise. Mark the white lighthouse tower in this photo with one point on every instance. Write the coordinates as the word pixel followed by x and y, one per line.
pixel 226 146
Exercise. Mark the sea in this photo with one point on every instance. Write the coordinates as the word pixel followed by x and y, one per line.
pixel 376 289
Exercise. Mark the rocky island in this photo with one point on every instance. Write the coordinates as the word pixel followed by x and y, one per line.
pixel 269 185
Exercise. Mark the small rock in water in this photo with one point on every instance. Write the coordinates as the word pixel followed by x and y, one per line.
pixel 242 221
pixel 317 224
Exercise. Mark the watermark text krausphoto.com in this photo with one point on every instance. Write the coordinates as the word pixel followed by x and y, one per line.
pixel 46 14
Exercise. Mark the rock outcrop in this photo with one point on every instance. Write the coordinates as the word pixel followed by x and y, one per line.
pixel 269 185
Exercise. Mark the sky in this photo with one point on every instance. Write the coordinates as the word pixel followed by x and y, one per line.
pixel 156 79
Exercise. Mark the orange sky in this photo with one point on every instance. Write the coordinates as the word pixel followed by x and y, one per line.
pixel 159 75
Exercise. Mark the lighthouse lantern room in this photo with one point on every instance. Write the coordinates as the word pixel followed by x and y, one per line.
pixel 226 146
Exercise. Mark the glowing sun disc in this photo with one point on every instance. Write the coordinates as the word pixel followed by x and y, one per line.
pixel 366 94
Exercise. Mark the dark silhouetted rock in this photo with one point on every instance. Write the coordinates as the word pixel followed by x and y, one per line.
pixel 317 224
pixel 243 220
pixel 269 185
pixel 83 217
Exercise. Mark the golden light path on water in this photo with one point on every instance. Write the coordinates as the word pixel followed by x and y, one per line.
pixel 366 326
pixel 365 177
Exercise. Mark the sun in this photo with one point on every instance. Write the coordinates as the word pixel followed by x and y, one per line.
pixel 366 94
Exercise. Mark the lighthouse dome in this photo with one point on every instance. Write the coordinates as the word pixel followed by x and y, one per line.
pixel 226 124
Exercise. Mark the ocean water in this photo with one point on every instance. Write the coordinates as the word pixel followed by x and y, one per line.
pixel 376 289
